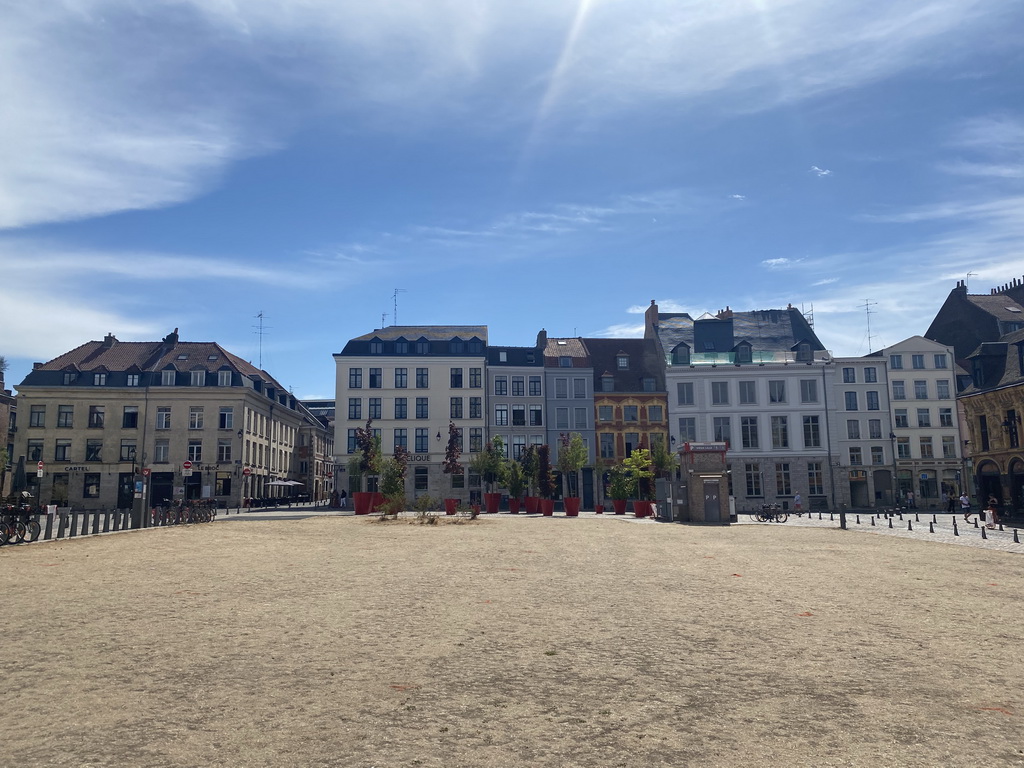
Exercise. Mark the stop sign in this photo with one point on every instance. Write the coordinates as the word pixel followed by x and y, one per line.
pixel 246 471
pixel 186 465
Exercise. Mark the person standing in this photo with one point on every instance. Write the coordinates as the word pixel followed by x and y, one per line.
pixel 798 504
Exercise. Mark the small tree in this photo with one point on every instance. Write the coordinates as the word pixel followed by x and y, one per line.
pixel 530 462
pixel 368 446
pixel 452 452
pixel 572 455
pixel 641 471
pixel 620 485
pixel 545 482
pixel 515 479
pixel 490 463
pixel 664 461
pixel 392 482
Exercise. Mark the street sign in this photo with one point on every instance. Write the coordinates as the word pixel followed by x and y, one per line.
pixel 39 473
pixel 187 465
pixel 146 471
pixel 39 466
pixel 246 471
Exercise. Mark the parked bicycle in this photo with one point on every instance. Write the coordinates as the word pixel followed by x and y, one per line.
pixel 771 513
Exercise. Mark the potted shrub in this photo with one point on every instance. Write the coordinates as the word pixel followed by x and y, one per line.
pixel 451 464
pixel 619 488
pixel 572 455
pixel 530 462
pixel 368 447
pixel 516 483
pixel 545 482
pixel 641 472
pixel 392 482
pixel 490 465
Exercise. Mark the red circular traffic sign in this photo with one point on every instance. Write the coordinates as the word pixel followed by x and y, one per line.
pixel 145 471
pixel 246 471
pixel 186 465
pixel 39 465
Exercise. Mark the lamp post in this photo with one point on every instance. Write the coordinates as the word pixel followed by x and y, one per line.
pixel 894 484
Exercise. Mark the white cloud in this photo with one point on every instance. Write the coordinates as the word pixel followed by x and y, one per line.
pixel 826 281
pixel 738 197
pixel 781 263
pixel 620 331
pixel 820 171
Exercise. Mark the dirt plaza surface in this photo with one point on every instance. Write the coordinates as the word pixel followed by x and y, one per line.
pixel 509 642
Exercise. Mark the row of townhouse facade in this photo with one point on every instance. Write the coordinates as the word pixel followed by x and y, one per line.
pixel 800 425
pixel 122 424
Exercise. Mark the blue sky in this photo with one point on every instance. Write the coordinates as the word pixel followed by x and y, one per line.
pixel 519 164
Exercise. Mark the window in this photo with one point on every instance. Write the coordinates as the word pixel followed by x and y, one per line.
pixel 421 408
pixel 622 362
pixel 783 487
pixel 607 383
pixel 896 362
pixel 561 418
pixel 35 450
pixel 870 375
pixel 561 389
pixel 197 378
pixel 401 438
pixel 130 417
pixel 632 442
pixel 780 432
pixel 401 378
pixel 195 417
pixel 902 420
pixel 684 392
pixel 37 416
pixel 518 446
pixel 983 431
pixel 374 408
pixel 605 412
pixel 376 347
pixel 748 431
pixel 722 431
pixel 99 379
pixel 629 413
pixel 91 485
pixel 719 393
pixel 132 380
pixel 688 429
pixel 518 386
pixel 579 418
pixel 926 448
pixel 422 347
pixel 93 450
pixel 223 378
pixel 401 407
pixel 920 390
pixel 579 388
pixel 421 440
pixel 351 438
pixel 681 355
pixel 812 432
pixel 940 360
pixel 420 477
pixel 518 415
pixel 475 378
pixel 748 392
pixel 162 451
pixel 752 473
pixel 607 442
pixel 872 398
pixel 456 378
pixel 422 378
pixel 195 450
pixel 476 439
pixel 849 375
pixel 501 385
pixel 163 417
pixel 948 447
pixel 942 389
pixel 875 429
pixel 355 408
pixel 476 408
pixel 945 417
pixel 536 415
pixel 850 399
pixel 167 378
pixel 924 418
pixel 853 429
pixel 903 447
pixel 224 450
pixel 917 361
pixel 776 391
pixel 455 408
pixel 808 391
pixel 376 378
pixel 355 378
pixel 535 386
pixel 856 457
pixel 743 353
pixel 501 415
pixel 815 479
pixel 899 391
pixel 654 413
pixel 69 378
pixel 96 416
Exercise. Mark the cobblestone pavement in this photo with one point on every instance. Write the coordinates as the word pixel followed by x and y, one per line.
pixel 923 526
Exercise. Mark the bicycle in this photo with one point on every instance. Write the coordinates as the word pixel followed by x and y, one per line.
pixel 771 513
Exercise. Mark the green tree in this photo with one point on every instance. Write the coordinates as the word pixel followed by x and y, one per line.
pixel 490 463
pixel 663 459
pixel 530 462
pixel 545 482
pixel 640 469
pixel 572 455
pixel 620 485
pixel 368 446
pixel 452 452
pixel 392 481
pixel 515 479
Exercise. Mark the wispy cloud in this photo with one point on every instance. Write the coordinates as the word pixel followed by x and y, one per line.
pixel 738 197
pixel 820 171
pixel 781 263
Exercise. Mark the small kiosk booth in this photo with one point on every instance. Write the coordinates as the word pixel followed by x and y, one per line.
pixel 701 493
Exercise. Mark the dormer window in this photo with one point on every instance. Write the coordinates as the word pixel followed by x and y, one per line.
pixel 681 355
pixel 476 347
pixel 744 353
pixel 223 378
pixel 401 347
pixel 803 351
pixel 99 379
pixel 565 362
pixel 376 347
pixel 422 347
pixel 607 383
pixel 197 378
pixel 622 362
pixel 456 346
pixel 167 377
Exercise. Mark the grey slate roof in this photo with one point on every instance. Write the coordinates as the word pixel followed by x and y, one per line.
pixel 766 330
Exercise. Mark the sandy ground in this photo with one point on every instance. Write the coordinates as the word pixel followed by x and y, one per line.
pixel 509 642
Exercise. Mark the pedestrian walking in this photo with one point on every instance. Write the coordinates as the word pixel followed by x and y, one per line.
pixel 910 500
pixel 797 504
pixel 342 498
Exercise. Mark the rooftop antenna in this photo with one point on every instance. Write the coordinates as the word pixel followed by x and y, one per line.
pixel 260 330
pixel 808 315
pixel 868 304
pixel 968 280
pixel 394 317
pixel 383 320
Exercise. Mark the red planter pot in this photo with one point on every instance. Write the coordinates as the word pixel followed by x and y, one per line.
pixel 476 509
pixel 619 505
pixel 513 506
pixel 376 502
pixel 451 506
pixel 547 507
pixel 532 505
pixel 492 502
pixel 572 506
pixel 362 502
pixel 642 508
pixel 599 509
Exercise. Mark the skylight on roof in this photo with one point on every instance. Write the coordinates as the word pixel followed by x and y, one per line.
pixel 183 357
pixel 212 357
pixel 562 343
pixel 1012 309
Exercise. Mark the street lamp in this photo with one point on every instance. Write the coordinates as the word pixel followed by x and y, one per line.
pixel 892 443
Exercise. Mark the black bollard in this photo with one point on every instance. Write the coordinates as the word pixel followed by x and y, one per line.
pixel 890 522
pixel 858 519
pixel 49 527
pixel 910 526
pixel 1015 539
pixel 956 531
pixel 819 516
pixel 872 519
pixel 917 518
pixel 983 534
pixel 934 519
pixel 931 527
pixel 975 522
pixel 1000 526
pixel 901 515
pixel 831 516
